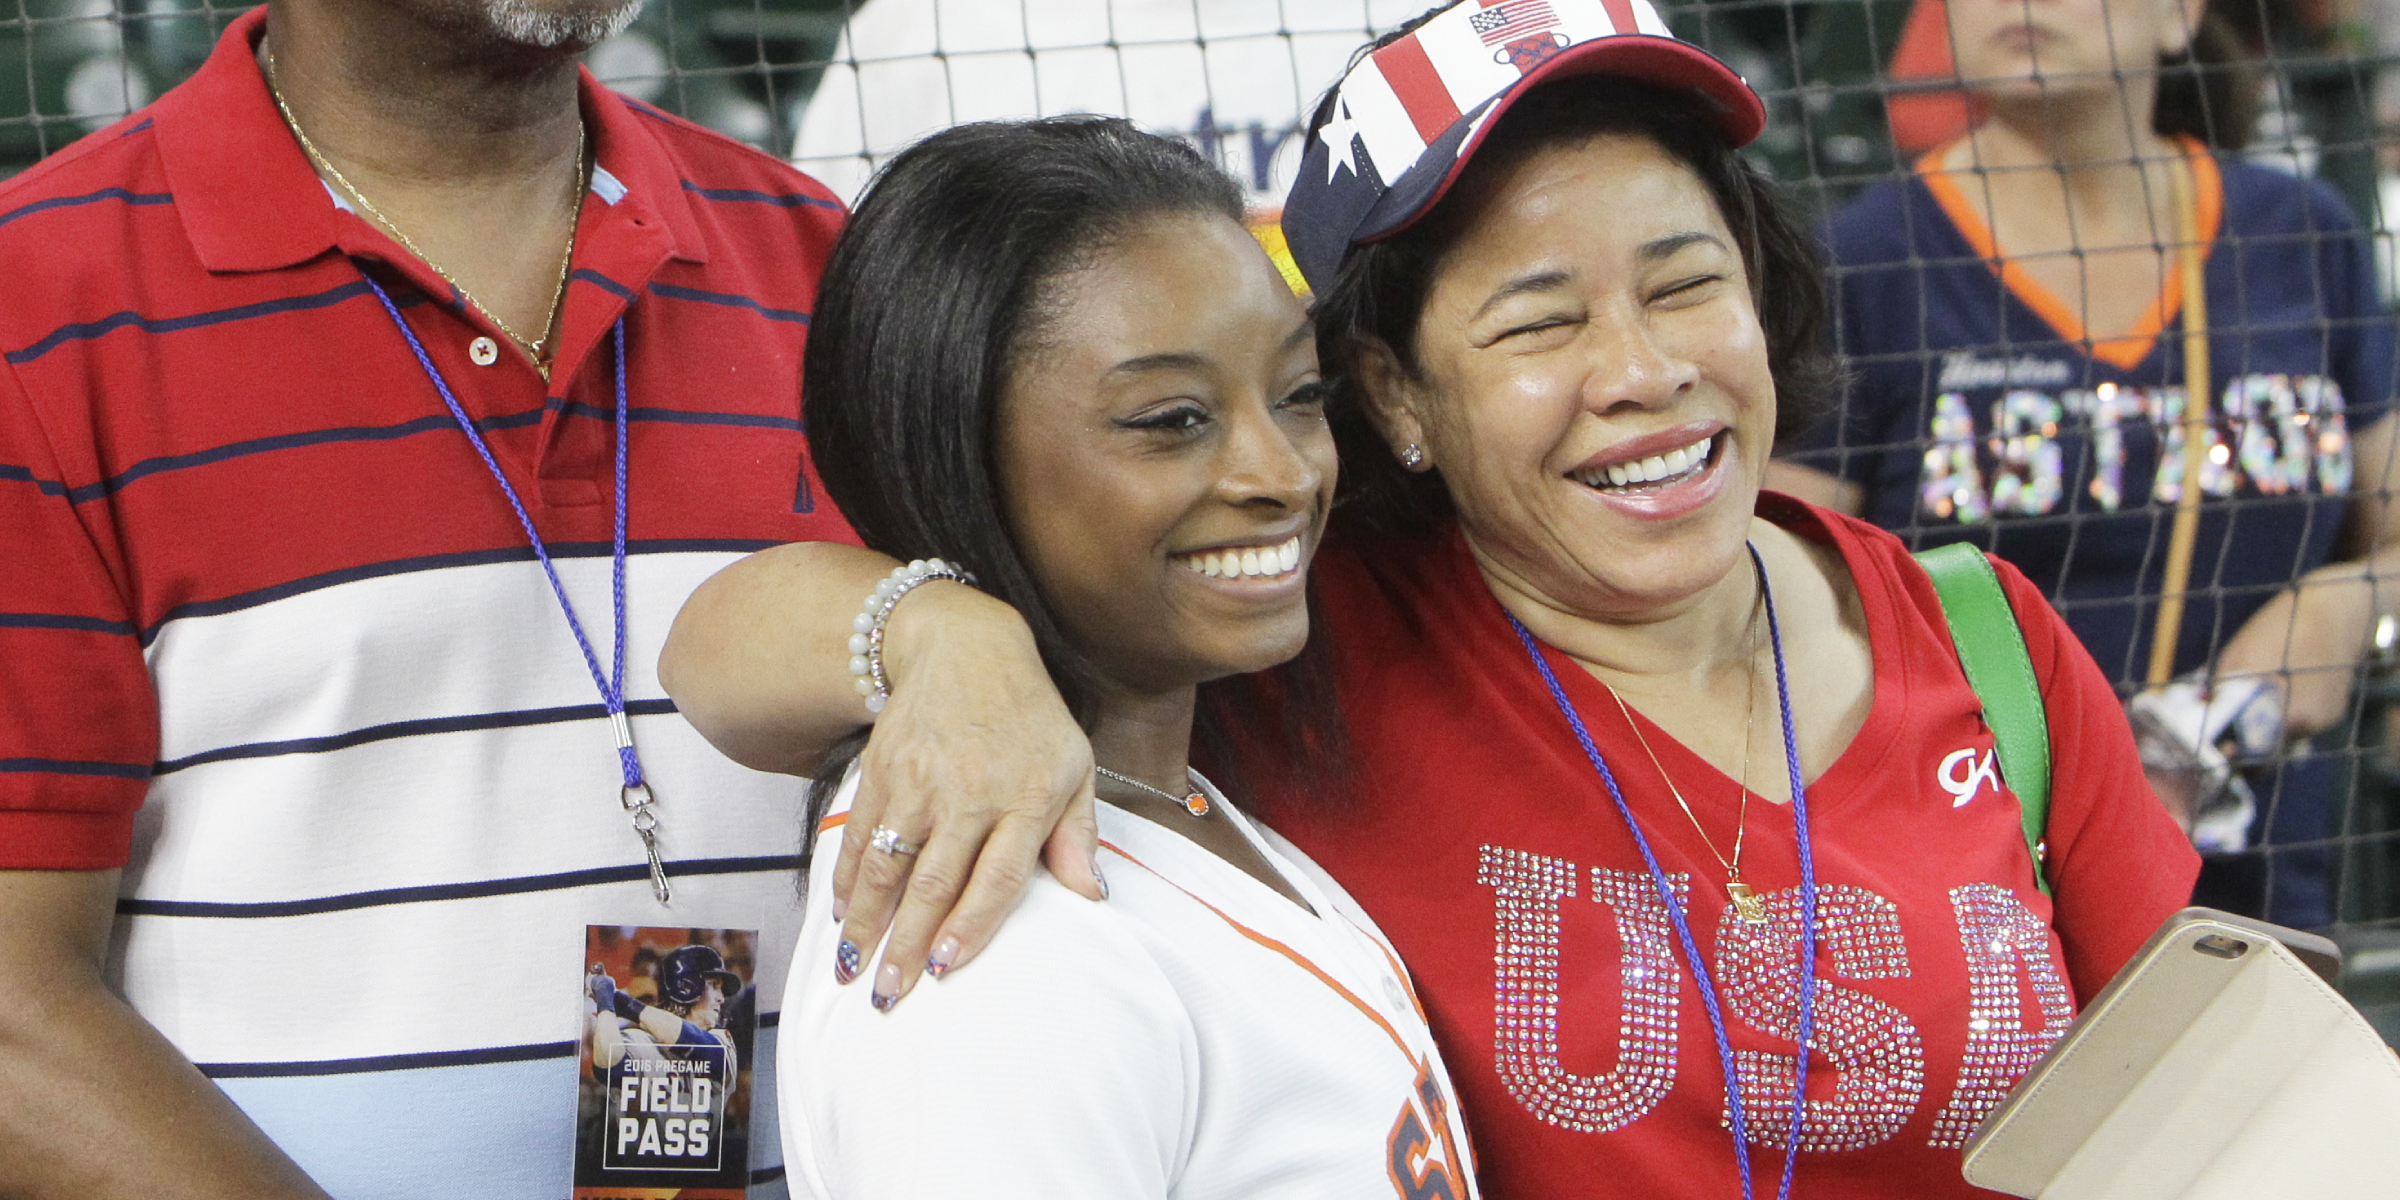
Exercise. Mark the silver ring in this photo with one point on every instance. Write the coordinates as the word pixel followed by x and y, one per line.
pixel 887 839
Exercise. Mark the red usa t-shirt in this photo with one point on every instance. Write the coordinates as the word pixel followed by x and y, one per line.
pixel 1484 843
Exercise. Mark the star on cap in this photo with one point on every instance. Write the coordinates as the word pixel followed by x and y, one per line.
pixel 1340 130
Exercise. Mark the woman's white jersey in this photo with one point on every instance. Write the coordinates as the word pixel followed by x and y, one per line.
pixel 1195 1035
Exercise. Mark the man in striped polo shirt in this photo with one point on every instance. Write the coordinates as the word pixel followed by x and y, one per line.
pixel 306 776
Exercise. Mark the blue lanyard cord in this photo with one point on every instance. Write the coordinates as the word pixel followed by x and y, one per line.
pixel 614 688
pixel 1666 895
pixel 1808 881
pixel 635 795
pixel 1683 930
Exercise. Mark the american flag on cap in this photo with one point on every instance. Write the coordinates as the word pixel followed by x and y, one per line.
pixel 1407 117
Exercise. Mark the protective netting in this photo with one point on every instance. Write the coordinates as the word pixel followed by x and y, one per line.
pixel 1858 91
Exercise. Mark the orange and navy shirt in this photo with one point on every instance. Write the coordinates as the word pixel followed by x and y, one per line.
pixel 1983 410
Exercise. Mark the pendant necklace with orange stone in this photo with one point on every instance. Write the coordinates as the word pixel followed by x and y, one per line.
pixel 1195 802
pixel 1746 903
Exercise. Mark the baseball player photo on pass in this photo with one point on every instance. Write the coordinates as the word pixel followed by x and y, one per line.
pixel 663 1095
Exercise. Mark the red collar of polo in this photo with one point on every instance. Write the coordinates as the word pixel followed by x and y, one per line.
pixel 249 200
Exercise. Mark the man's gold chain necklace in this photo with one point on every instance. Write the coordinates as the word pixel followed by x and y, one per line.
pixel 316 157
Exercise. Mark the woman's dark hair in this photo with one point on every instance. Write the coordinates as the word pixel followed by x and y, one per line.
pixel 2209 92
pixel 1381 288
pixel 935 292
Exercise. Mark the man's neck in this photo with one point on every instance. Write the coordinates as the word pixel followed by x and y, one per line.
pixel 466 147
pixel 384 91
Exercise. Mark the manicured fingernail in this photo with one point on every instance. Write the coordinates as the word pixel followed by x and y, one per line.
pixel 939 960
pixel 841 909
pixel 1102 880
pixel 887 988
pixel 845 962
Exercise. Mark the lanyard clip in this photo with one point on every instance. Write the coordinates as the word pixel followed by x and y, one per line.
pixel 637 800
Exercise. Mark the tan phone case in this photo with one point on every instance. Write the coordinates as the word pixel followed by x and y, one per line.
pixel 2219 1064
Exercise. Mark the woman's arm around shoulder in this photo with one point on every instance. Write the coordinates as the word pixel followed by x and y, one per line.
pixel 975 758
pixel 2118 864
pixel 1062 1065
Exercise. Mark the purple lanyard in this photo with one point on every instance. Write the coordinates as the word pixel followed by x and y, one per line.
pixel 635 796
pixel 1683 929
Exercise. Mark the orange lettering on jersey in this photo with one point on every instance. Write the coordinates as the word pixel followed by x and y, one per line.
pixel 1417 1173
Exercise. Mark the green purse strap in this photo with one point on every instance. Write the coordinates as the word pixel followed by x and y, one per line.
pixel 1991 647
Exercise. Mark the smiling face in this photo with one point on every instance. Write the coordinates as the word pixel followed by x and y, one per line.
pixel 1593 383
pixel 1163 458
pixel 2019 49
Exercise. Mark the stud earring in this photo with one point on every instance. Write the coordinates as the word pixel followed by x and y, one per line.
pixel 1411 457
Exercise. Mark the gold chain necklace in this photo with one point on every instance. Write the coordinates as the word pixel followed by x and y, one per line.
pixel 533 347
pixel 1746 903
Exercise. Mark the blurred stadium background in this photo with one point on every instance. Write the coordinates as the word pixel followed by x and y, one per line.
pixel 1842 117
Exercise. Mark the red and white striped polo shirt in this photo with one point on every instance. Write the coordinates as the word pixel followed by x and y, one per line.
pixel 274 643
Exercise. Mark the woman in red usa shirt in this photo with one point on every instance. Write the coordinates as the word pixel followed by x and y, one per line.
pixel 1670 792
pixel 2014 314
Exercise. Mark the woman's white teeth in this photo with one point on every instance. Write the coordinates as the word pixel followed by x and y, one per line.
pixel 1247 561
pixel 1653 469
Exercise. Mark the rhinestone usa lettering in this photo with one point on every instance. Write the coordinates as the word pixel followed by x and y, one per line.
pixel 1527 889
pixel 1877 1055
pixel 2002 938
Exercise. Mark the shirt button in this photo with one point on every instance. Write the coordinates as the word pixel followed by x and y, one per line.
pixel 1395 993
pixel 483 351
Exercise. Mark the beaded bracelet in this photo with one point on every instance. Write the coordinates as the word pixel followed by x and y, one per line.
pixel 866 637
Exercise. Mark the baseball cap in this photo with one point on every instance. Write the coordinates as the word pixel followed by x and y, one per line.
pixel 1404 121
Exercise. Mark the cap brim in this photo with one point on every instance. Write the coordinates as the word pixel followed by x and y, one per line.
pixel 1740 116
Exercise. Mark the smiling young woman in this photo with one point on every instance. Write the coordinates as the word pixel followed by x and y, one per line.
pixel 1051 352
pixel 1125 405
